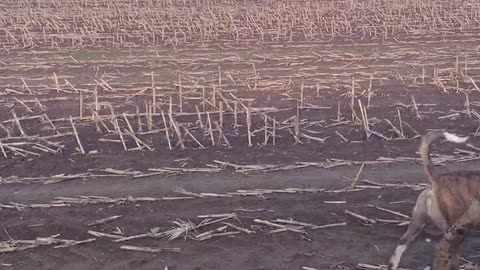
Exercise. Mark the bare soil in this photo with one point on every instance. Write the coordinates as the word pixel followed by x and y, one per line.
pixel 321 249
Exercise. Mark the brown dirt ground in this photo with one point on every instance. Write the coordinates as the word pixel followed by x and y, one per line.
pixel 346 245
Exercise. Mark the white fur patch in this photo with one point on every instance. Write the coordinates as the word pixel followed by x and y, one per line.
pixel 395 259
pixel 454 138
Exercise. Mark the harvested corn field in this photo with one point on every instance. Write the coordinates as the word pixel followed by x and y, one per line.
pixel 150 134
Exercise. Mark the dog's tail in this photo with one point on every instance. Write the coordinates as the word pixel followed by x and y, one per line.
pixel 427 140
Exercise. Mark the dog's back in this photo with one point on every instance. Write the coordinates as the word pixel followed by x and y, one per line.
pixel 455 191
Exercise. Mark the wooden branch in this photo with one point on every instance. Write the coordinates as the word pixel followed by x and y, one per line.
pixel 209 122
pixel 154 94
pixel 249 125
pixel 17 121
pixel 82 150
pixel 166 131
pixel 150 249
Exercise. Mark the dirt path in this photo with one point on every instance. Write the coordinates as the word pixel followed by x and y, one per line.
pixel 320 248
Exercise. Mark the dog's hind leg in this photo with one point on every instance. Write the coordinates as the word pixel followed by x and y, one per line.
pixel 418 221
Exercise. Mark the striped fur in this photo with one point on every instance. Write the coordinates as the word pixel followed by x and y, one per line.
pixel 448 197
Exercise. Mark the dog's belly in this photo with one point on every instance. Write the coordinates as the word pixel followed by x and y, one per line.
pixel 435 214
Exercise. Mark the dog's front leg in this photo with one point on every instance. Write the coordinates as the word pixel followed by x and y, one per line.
pixel 418 221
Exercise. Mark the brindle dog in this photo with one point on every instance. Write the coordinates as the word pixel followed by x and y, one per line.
pixel 448 197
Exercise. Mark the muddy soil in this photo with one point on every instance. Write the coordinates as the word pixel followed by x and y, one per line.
pixel 321 249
